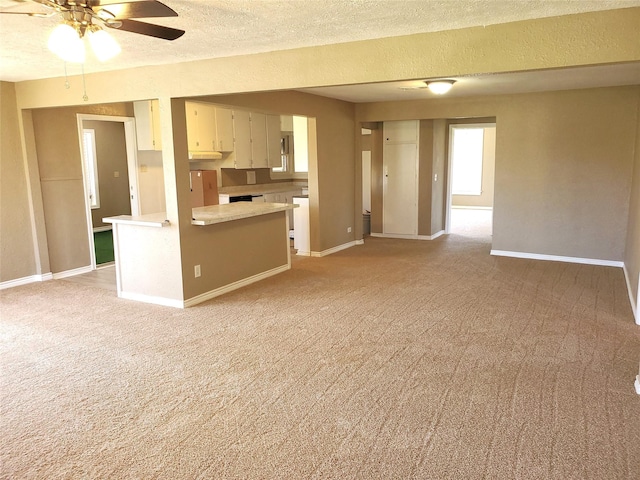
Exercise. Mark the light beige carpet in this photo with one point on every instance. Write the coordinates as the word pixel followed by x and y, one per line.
pixel 392 360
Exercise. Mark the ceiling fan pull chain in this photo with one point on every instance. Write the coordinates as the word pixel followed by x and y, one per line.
pixel 84 85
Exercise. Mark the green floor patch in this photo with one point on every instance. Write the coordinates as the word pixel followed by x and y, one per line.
pixel 104 247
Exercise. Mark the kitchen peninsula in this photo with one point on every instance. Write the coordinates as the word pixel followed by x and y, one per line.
pixel 230 246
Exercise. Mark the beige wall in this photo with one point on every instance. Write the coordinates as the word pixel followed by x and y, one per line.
pixel 517 46
pixel 632 253
pixel 425 174
pixel 111 154
pixel 563 165
pixel 431 191
pixel 377 187
pixel 17 258
pixel 60 166
pixel 233 251
pixel 438 190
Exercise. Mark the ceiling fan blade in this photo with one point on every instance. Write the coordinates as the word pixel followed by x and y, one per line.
pixel 150 29
pixel 141 9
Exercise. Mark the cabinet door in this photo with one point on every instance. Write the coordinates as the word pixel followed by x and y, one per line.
pixel 274 135
pixel 192 126
pixel 259 140
pixel 224 130
pixel 147 115
pixel 242 139
pixel 206 127
pixel 201 125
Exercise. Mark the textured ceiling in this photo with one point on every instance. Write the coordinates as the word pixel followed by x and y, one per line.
pixel 220 28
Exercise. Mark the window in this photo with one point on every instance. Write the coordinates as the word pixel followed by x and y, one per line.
pixel 301 145
pixel 466 160
pixel 284 155
pixel 91 166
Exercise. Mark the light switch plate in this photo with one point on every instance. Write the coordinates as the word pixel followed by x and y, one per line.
pixel 251 177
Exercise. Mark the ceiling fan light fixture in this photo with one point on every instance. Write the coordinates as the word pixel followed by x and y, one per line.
pixel 440 87
pixel 66 43
pixel 104 46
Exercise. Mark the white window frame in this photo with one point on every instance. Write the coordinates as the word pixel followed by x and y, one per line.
pixel 91 166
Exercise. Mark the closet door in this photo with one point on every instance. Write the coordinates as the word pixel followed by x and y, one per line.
pixel 399 189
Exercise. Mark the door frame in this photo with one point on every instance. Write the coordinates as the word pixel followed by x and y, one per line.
pixel 449 197
pixel 132 169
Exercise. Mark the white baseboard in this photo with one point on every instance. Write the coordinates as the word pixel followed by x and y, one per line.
pixel 234 286
pixel 26 280
pixel 435 235
pixel 303 253
pixel 71 273
pixel 138 297
pixel 408 237
pixel 634 304
pixel 637 384
pixel 329 251
pixel 557 258
pixel 104 228
pixel 360 242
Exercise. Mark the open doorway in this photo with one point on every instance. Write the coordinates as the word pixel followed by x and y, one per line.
pixel 471 174
pixel 107 146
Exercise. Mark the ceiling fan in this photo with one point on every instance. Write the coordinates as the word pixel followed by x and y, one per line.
pixel 80 17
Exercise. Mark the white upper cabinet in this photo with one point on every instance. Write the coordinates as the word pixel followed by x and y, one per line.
pixel 242 136
pixel 147 113
pixel 224 130
pixel 404 131
pixel 256 140
pixel 259 140
pixel 201 126
pixel 209 128
pixel 274 134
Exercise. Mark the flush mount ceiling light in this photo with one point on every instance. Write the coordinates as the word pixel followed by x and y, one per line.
pixel 440 87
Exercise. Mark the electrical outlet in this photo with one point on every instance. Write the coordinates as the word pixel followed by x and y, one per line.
pixel 196 271
pixel 348 229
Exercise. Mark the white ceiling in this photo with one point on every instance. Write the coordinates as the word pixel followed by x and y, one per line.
pixel 220 28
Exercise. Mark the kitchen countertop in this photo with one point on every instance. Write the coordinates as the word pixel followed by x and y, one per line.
pixel 227 212
pixel 150 220
pixel 208 215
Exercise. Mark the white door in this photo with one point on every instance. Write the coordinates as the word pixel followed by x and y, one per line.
pixel 399 189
